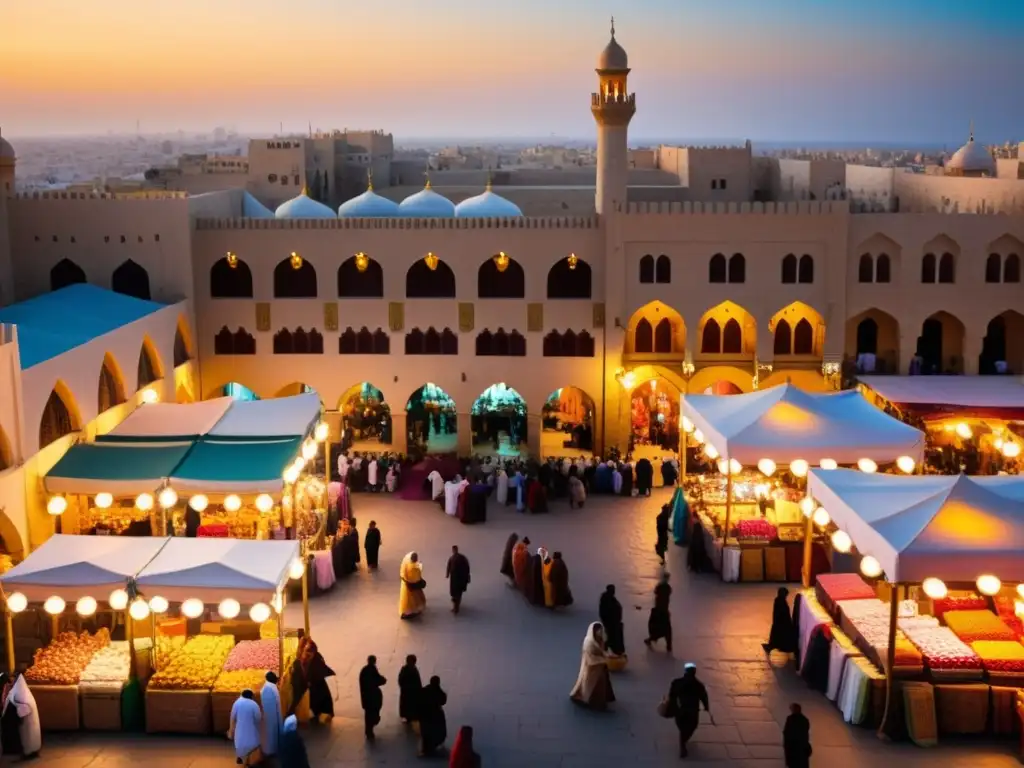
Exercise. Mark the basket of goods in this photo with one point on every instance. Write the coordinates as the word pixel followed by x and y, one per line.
pixel 101 685
pixel 978 625
pixel 178 696
pixel 54 676
pixel 756 530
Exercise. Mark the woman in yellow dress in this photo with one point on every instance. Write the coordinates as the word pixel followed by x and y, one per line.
pixel 549 590
pixel 411 599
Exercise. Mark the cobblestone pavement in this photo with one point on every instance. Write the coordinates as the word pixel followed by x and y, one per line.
pixel 508 667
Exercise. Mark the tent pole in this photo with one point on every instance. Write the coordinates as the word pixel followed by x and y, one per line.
pixel 728 514
pixel 9 622
pixel 280 639
pixel 129 635
pixel 890 661
pixel 306 560
pixel 327 481
pixel 808 551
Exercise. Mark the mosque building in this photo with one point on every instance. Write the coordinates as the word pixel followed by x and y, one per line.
pixel 601 304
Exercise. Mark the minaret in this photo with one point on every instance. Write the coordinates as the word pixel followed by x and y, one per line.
pixel 7 166
pixel 613 107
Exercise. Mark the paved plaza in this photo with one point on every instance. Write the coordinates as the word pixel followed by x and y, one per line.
pixel 508 667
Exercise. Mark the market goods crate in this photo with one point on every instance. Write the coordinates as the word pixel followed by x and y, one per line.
pixel 178 711
pixel 220 708
pixel 58 707
pixel 101 708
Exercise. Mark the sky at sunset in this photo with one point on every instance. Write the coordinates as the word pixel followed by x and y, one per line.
pixel 814 70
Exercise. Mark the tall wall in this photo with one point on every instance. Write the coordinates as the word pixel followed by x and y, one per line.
pixel 277 169
pixel 918 193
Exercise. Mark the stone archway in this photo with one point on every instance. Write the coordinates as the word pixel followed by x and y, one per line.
pixel 432 420
pixel 499 424
pixel 568 421
pixel 365 418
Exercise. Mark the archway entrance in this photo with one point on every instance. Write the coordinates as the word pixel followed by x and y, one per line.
pixel 723 387
pixel 872 342
pixel 940 345
pixel 239 391
pixel 654 418
pixel 365 418
pixel 431 420
pixel 1002 349
pixel 498 421
pixel 293 389
pixel 567 419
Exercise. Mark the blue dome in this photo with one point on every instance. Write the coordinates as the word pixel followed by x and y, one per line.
pixel 254 209
pixel 487 205
pixel 303 207
pixel 368 205
pixel 427 204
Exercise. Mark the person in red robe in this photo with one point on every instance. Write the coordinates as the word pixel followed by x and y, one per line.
pixel 463 755
pixel 520 563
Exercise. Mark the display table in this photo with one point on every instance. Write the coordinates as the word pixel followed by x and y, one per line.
pixel 58 707
pixel 841 650
pixel 186 712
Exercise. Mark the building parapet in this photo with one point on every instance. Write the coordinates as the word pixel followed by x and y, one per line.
pixel 62 194
pixel 525 222
pixel 825 207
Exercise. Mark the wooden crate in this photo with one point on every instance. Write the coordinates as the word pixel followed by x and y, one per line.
pixel 101 710
pixel 178 712
pixel 58 706
pixel 220 707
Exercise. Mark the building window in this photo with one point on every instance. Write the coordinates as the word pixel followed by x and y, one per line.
pixel 806 269
pixel 647 268
pixel 568 344
pixel 241 342
pixel 717 269
pixel 789 269
pixel 500 344
pixel 737 268
pixel 363 342
pixel 431 343
pixel 298 342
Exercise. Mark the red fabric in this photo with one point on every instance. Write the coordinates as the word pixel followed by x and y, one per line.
pixel 213 531
pixel 462 755
pixel 845 586
pixel 460 509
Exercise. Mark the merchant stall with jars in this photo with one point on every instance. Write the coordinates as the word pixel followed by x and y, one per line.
pixel 760 447
pixel 930 597
pixel 196 621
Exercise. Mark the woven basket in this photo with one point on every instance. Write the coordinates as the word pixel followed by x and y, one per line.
pixel 178 712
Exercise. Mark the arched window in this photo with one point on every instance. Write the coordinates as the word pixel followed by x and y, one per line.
pixel 663 336
pixel 584 344
pixel 867 337
pixel 643 337
pixel 56 421
pixel 415 342
pixel 865 269
pixel 883 269
pixel 181 353
pixel 803 338
pixel 449 342
pixel 783 338
pixel 291 283
pixel 149 369
pixel 569 344
pixel 110 390
pixel 244 342
pixel 227 282
pixel 381 342
pixel 364 341
pixel 131 279
pixel 64 273
pixel 347 342
pixel 353 284
pixel 499 345
pixel 284 344
pixel 732 337
pixel 431 342
pixel 1011 269
pixel 789 268
pixel 947 268
pixel 993 268
pixel 663 269
pixel 238 343
pixel 516 344
pixel 300 341
pixel 492 283
pixel 422 282
pixel 737 268
pixel 711 338
pixel 716 269
pixel 552 344
pixel 569 279
pixel 484 344
pixel 647 269
pixel 928 268
pixel 806 270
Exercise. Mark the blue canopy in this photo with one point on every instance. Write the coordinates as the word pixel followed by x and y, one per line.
pixel 236 466
pixel 123 469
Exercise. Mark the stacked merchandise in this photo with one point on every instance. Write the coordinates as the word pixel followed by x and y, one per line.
pixel 108 670
pixel 831 588
pixel 945 654
pixel 957 603
pixel 63 661
pixel 249 661
pixel 867 622
pixel 195 666
pixel 756 530
pixel 1006 607
pixel 995 643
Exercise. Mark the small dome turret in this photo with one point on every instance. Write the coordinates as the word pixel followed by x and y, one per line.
pixel 427 204
pixel 972 159
pixel 613 58
pixel 487 205
pixel 6 150
pixel 368 205
pixel 303 207
pixel 254 209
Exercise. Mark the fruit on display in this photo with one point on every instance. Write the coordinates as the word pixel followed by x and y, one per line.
pixel 109 665
pixel 196 666
pixel 258 654
pixel 63 660
pixel 240 679
pixel 758 529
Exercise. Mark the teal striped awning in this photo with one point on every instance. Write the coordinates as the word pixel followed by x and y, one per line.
pixel 122 469
pixel 236 466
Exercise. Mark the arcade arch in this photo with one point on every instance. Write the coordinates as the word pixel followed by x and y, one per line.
pixel 719 378
pixel 131 279
pixel 295 388
pixel 873 341
pixel 657 329
pixel 111 385
pixel 797 329
pixel 567 422
pixel 149 367
pixel 182 343
pixel 498 420
pixel 432 420
pixel 1002 348
pixel 60 416
pixel 238 391
pixel 940 347
pixel 727 329
pixel 654 408
pixel 364 411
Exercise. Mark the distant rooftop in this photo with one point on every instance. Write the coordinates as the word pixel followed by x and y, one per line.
pixel 57 322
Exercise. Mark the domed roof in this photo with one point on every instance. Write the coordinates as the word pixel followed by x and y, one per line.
pixel 6 150
pixel 427 204
pixel 613 57
pixel 972 158
pixel 487 205
pixel 254 209
pixel 303 207
pixel 368 205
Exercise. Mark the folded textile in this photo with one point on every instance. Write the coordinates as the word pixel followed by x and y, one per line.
pixel 978 625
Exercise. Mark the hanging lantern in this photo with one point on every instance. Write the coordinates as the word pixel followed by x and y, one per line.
pixel 934 588
pixel 229 608
pixel 57 505
pixel 963 429
pixel 867 466
pixel 295 260
pixel 296 569
pixel 501 261
pixel 139 609
pixel 193 608
pixel 799 467
pixel 821 517
pixel 362 261
pixel 158 604
pixel 259 612
pixel 573 261
pixel 807 506
pixel 103 500
pixel 150 396
pixel 711 452
pixel 264 502
pixel 1011 450
pixel 86 606
pixel 828 464
pixel 16 602
pixel 766 467
pixel 309 449
pixel 905 464
pixel 144 501
pixel 118 599
pixel 232 503
pixel 199 502
pixel 431 261
pixel 291 475
pixel 698 436
pixel 870 567
pixel 842 542
pixel 54 605
pixel 322 431
pixel 168 498
pixel 688 426
pixel 232 260
pixel 989 585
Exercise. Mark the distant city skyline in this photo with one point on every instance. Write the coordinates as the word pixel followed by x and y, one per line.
pixel 912 72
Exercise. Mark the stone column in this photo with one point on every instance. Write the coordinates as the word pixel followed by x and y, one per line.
pixel 399 432
pixel 464 443
pixel 534 428
pixel 972 350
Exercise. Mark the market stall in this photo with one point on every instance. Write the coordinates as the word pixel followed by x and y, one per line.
pixel 163 421
pixel 748 508
pixel 942 593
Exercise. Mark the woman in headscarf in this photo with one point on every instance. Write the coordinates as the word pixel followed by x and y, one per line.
pixel 610 611
pixel 20 717
pixel 411 600
pixel 245 729
pixel 506 559
pixel 309 676
pixel 410 687
pixel 661 528
pixel 577 493
pixel 644 477
pixel 593 687
pixel 627 478
pixel 680 518
pixel 560 581
pixel 783 635
pixel 697 554
pixel 463 755
pixel 292 752
pixel 535 580
pixel 520 561
pixel 501 495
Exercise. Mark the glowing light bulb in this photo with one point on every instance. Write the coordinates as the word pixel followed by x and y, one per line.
pixel 799 468
pixel 841 541
pixel 16 602
pixel 807 506
pixel 698 436
pixel 989 585
pixel 57 505
pixel 118 600
pixel 870 567
pixel 867 466
pixel 297 569
pixel 103 500
pixel 710 451
pixel 168 498
pixel 150 396
pixel 821 517
pixel 264 502
pixel 158 604
pixel 322 431
pixel 688 426
pixel 199 502
pixel 828 464
pixel 193 608
pixel 259 612
pixel 766 467
pixel 139 609
pixel 309 450
pixel 86 606
pixel 934 588
pixel 229 608
pixel 1011 450
pixel 963 429
pixel 290 475
pixel 54 605
pixel 232 503
pixel 905 464
pixel 144 501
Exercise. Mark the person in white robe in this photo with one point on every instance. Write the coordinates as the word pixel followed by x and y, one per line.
pixel 371 474
pixel 502 493
pixel 245 727
pixel 616 481
pixel 271 699
pixel 390 479
pixel 357 462
pixel 343 467
pixel 436 485
pixel 451 496
pixel 24 704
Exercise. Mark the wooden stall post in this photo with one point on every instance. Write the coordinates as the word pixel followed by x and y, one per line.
pixel 54 627
pixel 808 550
pixel 306 561
pixel 9 626
pixel 280 638
pixel 327 472
pixel 129 635
pixel 890 661
pixel 728 513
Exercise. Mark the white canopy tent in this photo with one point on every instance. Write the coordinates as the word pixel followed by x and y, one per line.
pixel 963 391
pixel 955 528
pixel 164 420
pixel 279 417
pixel 216 569
pixel 785 423
pixel 72 567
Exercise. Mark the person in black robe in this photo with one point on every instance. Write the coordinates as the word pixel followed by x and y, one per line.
pixel 644 477
pixel 818 659
pixel 433 725
pixel 535 579
pixel 338 556
pixel 10 722
pixel 610 612
pixel 370 696
pixel 668 473
pixel 659 624
pixel 559 577
pixel 796 738
pixel 697 555
pixel 410 687
pixel 797 602
pixel 372 543
pixel 783 635
pixel 661 526
pixel 310 673
pixel 291 750
pixel 354 533
pixel 626 470
pixel 685 696
pixel 506 559
pixel 193 521
pixel 457 573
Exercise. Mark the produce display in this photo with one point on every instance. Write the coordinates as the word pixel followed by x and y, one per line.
pixel 941 648
pixel 109 665
pixel 761 530
pixel 1000 655
pixel 254 654
pixel 240 679
pixel 978 625
pixel 196 666
pixel 1006 607
pixel 958 603
pixel 63 660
